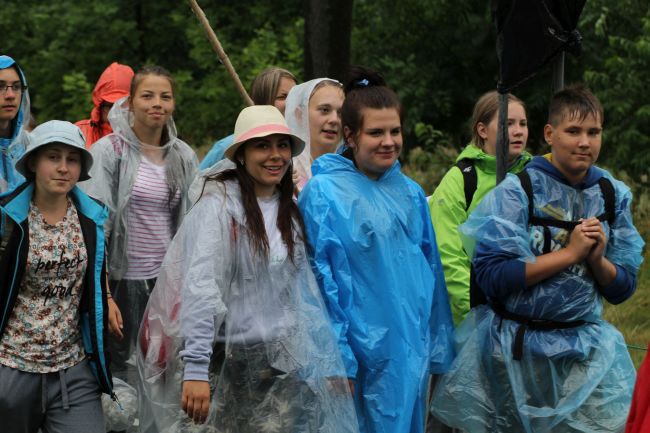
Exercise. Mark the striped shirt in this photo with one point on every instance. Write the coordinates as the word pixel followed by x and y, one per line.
pixel 149 221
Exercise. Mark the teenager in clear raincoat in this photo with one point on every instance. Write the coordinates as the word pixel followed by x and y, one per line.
pixel 142 172
pixel 313 112
pixel 375 258
pixel 539 357
pixel 14 98
pixel 236 315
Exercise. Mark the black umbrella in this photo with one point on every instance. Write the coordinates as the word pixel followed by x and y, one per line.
pixel 530 35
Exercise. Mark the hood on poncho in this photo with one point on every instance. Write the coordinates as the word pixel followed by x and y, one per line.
pixel 297 115
pixel 113 84
pixel 12 148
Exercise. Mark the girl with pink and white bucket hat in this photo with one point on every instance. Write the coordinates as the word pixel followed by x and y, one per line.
pixel 236 313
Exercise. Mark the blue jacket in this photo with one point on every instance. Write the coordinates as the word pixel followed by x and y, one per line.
pixel 14 244
pixel 8 153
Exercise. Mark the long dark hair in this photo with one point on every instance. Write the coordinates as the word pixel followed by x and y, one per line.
pixel 288 213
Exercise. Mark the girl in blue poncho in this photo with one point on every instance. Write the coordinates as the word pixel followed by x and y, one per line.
pixel 376 261
pixel 549 245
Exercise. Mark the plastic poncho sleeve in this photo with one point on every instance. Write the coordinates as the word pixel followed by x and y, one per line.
pixel 447 207
pixel 625 244
pixel 204 246
pixel 105 175
pixel 496 236
pixel 442 351
pixel 327 253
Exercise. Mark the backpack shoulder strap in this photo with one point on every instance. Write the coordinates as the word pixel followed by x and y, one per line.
pixel 527 185
pixel 470 179
pixel 609 195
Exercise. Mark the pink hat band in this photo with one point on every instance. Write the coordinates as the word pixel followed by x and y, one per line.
pixel 263 130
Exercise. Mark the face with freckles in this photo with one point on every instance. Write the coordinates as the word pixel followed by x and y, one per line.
pixel 378 143
pixel 266 160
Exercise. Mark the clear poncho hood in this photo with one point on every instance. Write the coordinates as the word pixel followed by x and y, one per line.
pixel 116 158
pixel 297 114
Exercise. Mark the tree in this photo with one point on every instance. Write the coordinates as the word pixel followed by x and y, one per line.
pixel 328 26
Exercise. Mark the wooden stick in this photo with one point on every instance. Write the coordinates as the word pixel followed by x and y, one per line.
pixel 220 52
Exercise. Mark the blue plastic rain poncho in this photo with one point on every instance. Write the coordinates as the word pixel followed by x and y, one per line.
pixel 13 147
pixel 216 153
pixel 376 261
pixel 577 379
pixel 257 329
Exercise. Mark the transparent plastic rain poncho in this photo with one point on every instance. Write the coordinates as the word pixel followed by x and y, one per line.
pixel 12 148
pixel 261 331
pixel 570 380
pixel 376 260
pixel 297 115
pixel 116 159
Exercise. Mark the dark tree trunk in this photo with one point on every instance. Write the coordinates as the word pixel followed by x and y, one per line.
pixel 328 26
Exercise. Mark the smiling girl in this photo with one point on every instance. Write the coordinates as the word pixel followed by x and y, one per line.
pixel 142 172
pixel 236 312
pixel 375 258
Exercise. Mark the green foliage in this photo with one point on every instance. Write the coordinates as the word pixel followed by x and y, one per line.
pixel 439 55
pixel 76 91
pixel 64 46
pixel 428 163
pixel 617 60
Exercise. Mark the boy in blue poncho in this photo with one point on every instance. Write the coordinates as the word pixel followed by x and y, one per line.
pixel 548 246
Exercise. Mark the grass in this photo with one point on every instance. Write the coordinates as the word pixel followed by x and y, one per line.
pixel 632 317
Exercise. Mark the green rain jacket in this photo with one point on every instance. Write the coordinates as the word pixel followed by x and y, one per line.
pixel 447 205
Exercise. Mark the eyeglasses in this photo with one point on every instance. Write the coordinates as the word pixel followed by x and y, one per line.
pixel 15 87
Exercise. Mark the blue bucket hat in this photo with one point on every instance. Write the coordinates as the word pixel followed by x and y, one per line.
pixel 56 131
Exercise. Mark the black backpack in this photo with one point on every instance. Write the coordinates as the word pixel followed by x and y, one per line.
pixel 476 295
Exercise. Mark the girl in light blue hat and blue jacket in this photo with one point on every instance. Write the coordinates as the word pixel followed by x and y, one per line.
pixel 54 311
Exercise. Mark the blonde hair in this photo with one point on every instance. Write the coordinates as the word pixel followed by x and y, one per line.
pixel 264 87
pixel 486 109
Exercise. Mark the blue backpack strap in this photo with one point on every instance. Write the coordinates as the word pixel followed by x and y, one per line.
pixel 470 179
